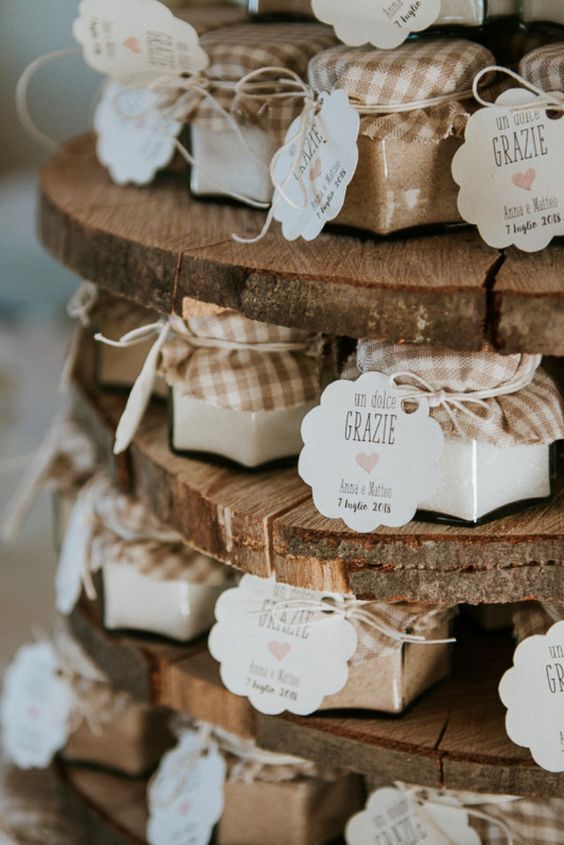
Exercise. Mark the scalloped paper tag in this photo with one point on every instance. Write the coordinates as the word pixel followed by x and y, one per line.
pixel 134 40
pixel 289 660
pixel 186 795
pixel 366 459
pixel 36 707
pixel 392 816
pixel 134 142
pixel 384 23
pixel 533 692
pixel 509 170
pixel 314 184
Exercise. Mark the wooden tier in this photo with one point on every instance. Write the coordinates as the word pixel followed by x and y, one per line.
pixel 110 809
pixel 454 736
pixel 264 522
pixel 157 245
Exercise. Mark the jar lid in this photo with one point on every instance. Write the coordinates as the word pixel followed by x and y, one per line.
pixel 237 50
pixel 545 67
pixel 415 72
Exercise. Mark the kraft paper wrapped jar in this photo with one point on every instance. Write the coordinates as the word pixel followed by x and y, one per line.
pixel 454 13
pixel 152 581
pixel 239 388
pixel 225 163
pixel 532 618
pixel 282 800
pixel 108 728
pixel 387 674
pixel 403 179
pixel 499 452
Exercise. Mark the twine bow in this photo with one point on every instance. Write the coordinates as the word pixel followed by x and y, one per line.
pixel 163 329
pixel 452 401
pixel 349 609
pixel 79 308
pixel 428 797
pixel 551 100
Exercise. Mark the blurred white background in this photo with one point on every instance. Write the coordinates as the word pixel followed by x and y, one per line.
pixel 33 291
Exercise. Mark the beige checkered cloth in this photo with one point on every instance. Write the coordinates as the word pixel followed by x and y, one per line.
pixel 531 821
pixel 74 458
pixel 415 72
pixel 531 618
pixel 127 533
pixel 532 415
pixel 244 380
pixel 236 51
pixel 405 618
pixel 545 67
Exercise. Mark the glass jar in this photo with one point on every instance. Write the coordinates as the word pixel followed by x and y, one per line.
pixel 403 179
pixel 501 415
pixel 240 389
pixel 454 13
pixel 232 155
pixel 543 12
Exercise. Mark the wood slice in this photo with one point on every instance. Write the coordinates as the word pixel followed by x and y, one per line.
pixel 528 301
pixel 112 810
pixel 264 522
pixel 454 736
pixel 157 245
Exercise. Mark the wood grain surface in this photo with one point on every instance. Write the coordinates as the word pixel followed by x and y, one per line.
pixel 264 522
pixel 158 245
pixel 453 736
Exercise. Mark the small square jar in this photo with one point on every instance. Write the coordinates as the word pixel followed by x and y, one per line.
pixel 172 607
pixel 453 13
pixel 282 800
pixel 151 580
pixel 387 675
pixel 499 451
pixel 240 389
pixel 225 163
pixel 131 742
pixel 108 727
pixel 549 12
pixel 403 179
pixel 117 368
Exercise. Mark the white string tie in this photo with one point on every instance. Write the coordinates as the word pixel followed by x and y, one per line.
pixel 551 100
pixel 22 89
pixel 413 105
pixel 79 307
pixel 142 389
pixel 350 609
pixel 453 402
pixel 432 798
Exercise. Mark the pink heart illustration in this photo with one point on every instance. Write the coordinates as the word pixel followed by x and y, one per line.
pixel 525 180
pixel 185 808
pixel 367 462
pixel 279 650
pixel 132 43
pixel 315 171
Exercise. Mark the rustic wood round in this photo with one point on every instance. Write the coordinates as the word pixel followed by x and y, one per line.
pixel 157 245
pixel 265 522
pixel 453 736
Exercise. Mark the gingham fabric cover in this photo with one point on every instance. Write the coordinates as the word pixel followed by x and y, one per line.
pixel 415 72
pixel 243 380
pixel 545 67
pixel 532 415
pixel 236 51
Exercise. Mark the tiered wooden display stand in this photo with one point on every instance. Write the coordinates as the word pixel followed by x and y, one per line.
pixel 157 246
